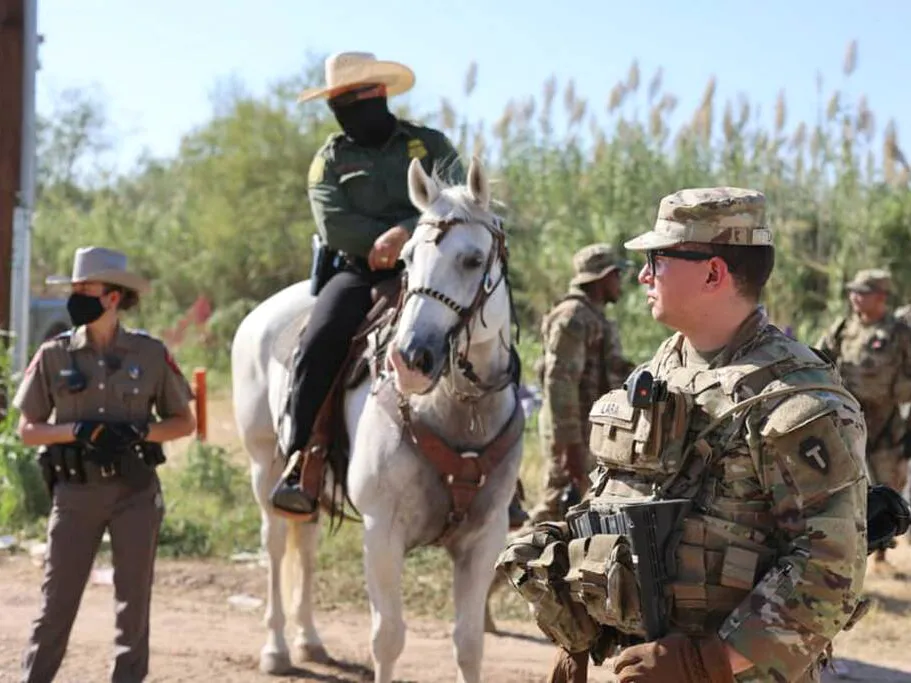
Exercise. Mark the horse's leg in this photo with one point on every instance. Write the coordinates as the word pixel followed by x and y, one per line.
pixel 490 626
pixel 473 572
pixel 274 657
pixel 384 558
pixel 308 645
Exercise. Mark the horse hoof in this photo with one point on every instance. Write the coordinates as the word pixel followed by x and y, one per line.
pixel 313 653
pixel 275 663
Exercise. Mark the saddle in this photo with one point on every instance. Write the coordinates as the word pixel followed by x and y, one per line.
pixel 366 352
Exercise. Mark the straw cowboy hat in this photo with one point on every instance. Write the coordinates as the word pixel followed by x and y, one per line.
pixel 97 264
pixel 345 69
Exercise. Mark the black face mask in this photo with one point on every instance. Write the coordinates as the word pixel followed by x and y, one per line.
pixel 368 122
pixel 84 309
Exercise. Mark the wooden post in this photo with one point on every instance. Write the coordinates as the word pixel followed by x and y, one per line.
pixel 11 74
pixel 199 388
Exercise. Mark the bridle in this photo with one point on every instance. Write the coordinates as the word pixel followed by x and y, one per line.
pixel 499 251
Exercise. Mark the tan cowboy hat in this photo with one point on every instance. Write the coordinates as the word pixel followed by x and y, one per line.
pixel 345 69
pixel 97 264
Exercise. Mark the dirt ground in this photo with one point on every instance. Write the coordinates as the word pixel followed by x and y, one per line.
pixel 198 636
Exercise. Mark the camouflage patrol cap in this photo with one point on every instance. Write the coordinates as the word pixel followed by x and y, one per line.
pixel 712 215
pixel 871 280
pixel 594 262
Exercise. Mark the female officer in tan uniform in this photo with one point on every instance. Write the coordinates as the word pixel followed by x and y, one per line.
pixel 100 381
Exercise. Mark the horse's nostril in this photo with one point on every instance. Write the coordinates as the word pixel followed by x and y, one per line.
pixel 424 361
pixel 418 358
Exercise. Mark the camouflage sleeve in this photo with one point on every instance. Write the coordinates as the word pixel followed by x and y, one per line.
pixel 828 342
pixel 443 160
pixel 618 368
pixel 901 391
pixel 564 351
pixel 33 398
pixel 812 466
pixel 338 223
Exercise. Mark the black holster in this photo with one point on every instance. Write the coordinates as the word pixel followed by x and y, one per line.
pixel 324 265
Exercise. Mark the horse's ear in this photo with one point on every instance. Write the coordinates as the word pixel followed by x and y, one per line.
pixel 422 189
pixel 478 185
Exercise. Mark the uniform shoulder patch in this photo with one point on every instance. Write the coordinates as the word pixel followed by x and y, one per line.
pixel 169 359
pixel 416 149
pixel 317 170
pixel 813 451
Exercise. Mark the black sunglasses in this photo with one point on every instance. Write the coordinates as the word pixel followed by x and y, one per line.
pixel 682 254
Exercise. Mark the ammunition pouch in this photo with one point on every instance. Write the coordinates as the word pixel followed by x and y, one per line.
pixel 646 438
pixel 536 565
pixel 74 463
pixel 633 596
pixel 323 265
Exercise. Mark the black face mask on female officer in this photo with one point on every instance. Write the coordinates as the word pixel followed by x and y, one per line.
pixel 84 309
pixel 368 121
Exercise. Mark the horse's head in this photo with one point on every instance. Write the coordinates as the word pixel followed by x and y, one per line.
pixel 456 292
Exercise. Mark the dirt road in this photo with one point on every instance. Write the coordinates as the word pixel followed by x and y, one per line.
pixel 197 636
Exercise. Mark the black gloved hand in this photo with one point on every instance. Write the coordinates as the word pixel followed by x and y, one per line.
pixel 108 436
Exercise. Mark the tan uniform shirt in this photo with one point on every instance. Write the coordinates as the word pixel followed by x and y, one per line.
pixel 123 385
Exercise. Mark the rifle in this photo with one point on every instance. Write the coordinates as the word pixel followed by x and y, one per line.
pixel 655 529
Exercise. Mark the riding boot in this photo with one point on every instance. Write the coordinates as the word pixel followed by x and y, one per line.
pixel 296 495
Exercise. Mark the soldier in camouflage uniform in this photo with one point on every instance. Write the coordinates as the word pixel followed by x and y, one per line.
pixel 757 444
pixel 358 184
pixel 872 350
pixel 582 360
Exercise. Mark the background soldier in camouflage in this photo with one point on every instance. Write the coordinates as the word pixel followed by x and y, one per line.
pixel 872 350
pixel 583 359
pixel 770 562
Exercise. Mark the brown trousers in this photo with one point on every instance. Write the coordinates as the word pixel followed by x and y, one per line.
pixel 79 516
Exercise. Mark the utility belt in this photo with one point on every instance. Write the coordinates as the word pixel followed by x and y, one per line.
pixel 75 463
pixel 600 580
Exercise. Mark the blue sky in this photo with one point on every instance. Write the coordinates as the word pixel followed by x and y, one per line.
pixel 156 63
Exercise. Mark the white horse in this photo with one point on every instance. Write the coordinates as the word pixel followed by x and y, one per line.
pixel 445 404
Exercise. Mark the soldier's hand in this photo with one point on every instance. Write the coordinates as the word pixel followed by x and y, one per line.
pixel 386 248
pixel 574 461
pixel 675 658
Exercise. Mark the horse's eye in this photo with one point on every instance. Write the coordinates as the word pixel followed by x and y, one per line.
pixel 472 262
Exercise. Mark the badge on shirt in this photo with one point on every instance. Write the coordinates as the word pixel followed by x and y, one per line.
pixel 134 371
pixel 416 149
pixel 877 342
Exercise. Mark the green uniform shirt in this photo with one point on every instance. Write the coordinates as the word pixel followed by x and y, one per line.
pixel 357 193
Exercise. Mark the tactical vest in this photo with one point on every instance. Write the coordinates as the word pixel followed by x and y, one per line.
pixel 707 431
pixel 675 447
